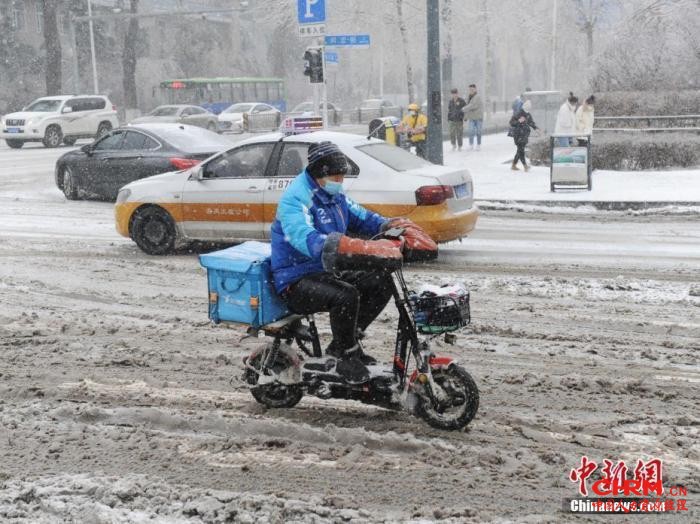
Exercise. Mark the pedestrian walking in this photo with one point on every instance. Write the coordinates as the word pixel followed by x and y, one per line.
pixel 455 117
pixel 566 121
pixel 474 112
pixel 415 124
pixel 584 119
pixel 518 102
pixel 520 125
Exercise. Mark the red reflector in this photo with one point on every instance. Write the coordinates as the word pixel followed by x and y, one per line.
pixel 432 195
pixel 183 163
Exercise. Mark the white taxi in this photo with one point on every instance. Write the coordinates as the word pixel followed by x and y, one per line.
pixel 233 195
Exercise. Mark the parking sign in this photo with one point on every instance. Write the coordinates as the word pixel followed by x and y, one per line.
pixel 311 11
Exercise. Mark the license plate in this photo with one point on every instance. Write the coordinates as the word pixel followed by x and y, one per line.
pixel 461 191
pixel 13 130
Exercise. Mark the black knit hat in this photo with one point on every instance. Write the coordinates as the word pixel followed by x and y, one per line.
pixel 325 159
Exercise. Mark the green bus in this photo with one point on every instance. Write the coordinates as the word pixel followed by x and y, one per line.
pixel 216 94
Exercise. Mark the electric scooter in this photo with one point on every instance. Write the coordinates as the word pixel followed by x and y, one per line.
pixel 435 388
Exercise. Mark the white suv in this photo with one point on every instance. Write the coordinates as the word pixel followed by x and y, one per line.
pixel 56 119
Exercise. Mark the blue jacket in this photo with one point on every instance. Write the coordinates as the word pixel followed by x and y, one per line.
pixel 306 214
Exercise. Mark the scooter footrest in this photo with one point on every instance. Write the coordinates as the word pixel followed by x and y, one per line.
pixel 322 376
pixel 325 364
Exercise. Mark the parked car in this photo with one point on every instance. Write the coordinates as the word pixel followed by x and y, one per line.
pixel 380 106
pixel 240 117
pixel 98 170
pixel 233 196
pixel 180 114
pixel 335 114
pixel 59 119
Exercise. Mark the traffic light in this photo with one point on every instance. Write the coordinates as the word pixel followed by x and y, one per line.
pixel 313 68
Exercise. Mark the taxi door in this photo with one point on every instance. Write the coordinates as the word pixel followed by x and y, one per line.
pixel 290 161
pixel 226 201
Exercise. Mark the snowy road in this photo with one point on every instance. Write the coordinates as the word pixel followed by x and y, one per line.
pixel 119 401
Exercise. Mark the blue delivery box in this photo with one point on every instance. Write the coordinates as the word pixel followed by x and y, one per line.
pixel 241 287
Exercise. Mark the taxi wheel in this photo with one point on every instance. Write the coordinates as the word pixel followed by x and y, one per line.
pixel 69 187
pixel 14 144
pixel 53 136
pixel 153 230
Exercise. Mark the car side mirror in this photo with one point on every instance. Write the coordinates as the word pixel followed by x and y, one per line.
pixel 87 149
pixel 67 109
pixel 198 173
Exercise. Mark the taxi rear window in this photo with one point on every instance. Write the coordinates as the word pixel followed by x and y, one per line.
pixel 394 157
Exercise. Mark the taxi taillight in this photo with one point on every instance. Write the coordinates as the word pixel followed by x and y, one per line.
pixel 183 163
pixel 433 195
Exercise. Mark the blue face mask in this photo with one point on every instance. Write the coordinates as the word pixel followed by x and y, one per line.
pixel 332 187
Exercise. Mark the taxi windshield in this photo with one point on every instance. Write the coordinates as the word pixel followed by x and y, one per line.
pixel 394 157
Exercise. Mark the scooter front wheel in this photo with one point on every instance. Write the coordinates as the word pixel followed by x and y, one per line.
pixel 463 397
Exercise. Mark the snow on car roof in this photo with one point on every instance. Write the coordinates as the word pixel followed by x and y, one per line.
pixel 346 139
pixel 58 97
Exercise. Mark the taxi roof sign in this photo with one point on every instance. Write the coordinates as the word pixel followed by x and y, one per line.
pixel 295 125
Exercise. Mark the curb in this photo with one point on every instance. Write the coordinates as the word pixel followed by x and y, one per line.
pixel 599 205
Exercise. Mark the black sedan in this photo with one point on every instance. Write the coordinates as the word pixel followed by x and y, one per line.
pixel 97 171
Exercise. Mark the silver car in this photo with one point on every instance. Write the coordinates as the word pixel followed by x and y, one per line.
pixel 335 114
pixel 180 114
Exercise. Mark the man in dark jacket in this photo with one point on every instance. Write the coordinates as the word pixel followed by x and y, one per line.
pixel 310 246
pixel 520 125
pixel 455 116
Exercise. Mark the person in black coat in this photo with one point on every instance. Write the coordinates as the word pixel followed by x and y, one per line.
pixel 520 125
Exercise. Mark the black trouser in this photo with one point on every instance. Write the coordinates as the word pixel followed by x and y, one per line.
pixel 520 153
pixel 421 149
pixel 353 299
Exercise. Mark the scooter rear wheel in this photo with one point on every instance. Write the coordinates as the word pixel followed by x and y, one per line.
pixel 463 393
pixel 273 395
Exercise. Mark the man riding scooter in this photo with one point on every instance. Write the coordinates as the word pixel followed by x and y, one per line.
pixel 310 245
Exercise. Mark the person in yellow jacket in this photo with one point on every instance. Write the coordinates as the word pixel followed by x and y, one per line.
pixel 415 124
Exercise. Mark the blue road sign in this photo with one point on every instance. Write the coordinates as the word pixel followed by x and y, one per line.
pixel 347 41
pixel 311 11
pixel 331 57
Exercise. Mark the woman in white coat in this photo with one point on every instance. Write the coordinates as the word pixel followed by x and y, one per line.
pixel 566 121
pixel 584 119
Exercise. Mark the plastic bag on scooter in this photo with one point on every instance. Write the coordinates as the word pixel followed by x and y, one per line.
pixel 440 309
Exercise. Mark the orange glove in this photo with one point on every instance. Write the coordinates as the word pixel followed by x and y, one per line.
pixel 417 241
pixel 341 252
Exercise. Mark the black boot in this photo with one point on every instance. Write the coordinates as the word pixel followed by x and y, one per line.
pixel 367 360
pixel 334 351
pixel 351 368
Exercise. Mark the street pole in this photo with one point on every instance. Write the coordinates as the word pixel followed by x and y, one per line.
pixel 552 73
pixel 434 139
pixel 74 58
pixel 92 50
pixel 325 89
pixel 381 61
